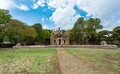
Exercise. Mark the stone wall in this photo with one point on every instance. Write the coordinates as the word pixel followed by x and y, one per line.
pixel 87 46
pixel 72 46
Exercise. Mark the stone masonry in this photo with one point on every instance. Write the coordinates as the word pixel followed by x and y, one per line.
pixel 59 38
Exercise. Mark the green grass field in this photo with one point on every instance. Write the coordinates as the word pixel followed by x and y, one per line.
pixel 103 61
pixel 44 61
pixel 28 61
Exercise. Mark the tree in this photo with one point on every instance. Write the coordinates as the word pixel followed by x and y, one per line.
pixel 80 23
pixel 19 32
pixel 38 28
pixel 46 36
pixel 116 35
pixel 105 35
pixel 93 24
pixel 30 35
pixel 4 16
pixel 77 34
pixel 84 31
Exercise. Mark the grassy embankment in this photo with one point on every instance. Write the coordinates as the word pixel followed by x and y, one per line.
pixel 30 61
pixel 103 61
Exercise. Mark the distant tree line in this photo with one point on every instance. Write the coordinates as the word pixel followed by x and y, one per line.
pixel 16 31
pixel 84 31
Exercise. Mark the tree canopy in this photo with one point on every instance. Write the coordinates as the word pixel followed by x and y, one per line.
pixel 17 31
pixel 4 16
pixel 84 31
pixel 116 35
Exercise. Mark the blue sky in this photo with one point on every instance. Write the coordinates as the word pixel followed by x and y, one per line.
pixel 63 13
pixel 32 16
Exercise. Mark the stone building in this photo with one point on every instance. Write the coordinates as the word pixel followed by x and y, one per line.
pixel 59 38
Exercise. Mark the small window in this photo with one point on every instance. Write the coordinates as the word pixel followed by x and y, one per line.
pixel 64 41
pixel 54 41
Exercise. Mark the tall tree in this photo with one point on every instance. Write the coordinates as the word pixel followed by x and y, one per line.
pixel 105 35
pixel 80 23
pixel 94 23
pixel 4 16
pixel 17 31
pixel 30 35
pixel 116 35
pixel 77 34
pixel 84 31
pixel 38 28
pixel 46 36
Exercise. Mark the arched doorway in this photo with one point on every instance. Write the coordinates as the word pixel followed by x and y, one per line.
pixel 59 41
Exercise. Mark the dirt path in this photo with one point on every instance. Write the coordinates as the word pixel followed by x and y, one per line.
pixel 72 65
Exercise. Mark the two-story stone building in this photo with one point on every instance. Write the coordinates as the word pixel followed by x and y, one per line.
pixel 59 38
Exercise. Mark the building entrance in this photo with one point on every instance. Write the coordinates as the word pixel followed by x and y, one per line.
pixel 59 41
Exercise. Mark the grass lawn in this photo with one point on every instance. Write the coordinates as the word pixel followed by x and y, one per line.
pixel 103 61
pixel 28 61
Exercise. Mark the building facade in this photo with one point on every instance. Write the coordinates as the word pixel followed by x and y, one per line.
pixel 59 38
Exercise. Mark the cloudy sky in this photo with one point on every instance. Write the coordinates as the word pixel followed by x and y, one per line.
pixel 63 13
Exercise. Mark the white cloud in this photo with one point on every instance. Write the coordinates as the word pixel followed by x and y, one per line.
pixel 56 3
pixel 35 6
pixel 23 7
pixel 38 3
pixel 51 3
pixel 43 19
pixel 107 11
pixel 64 16
pixel 45 27
pixel 7 4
